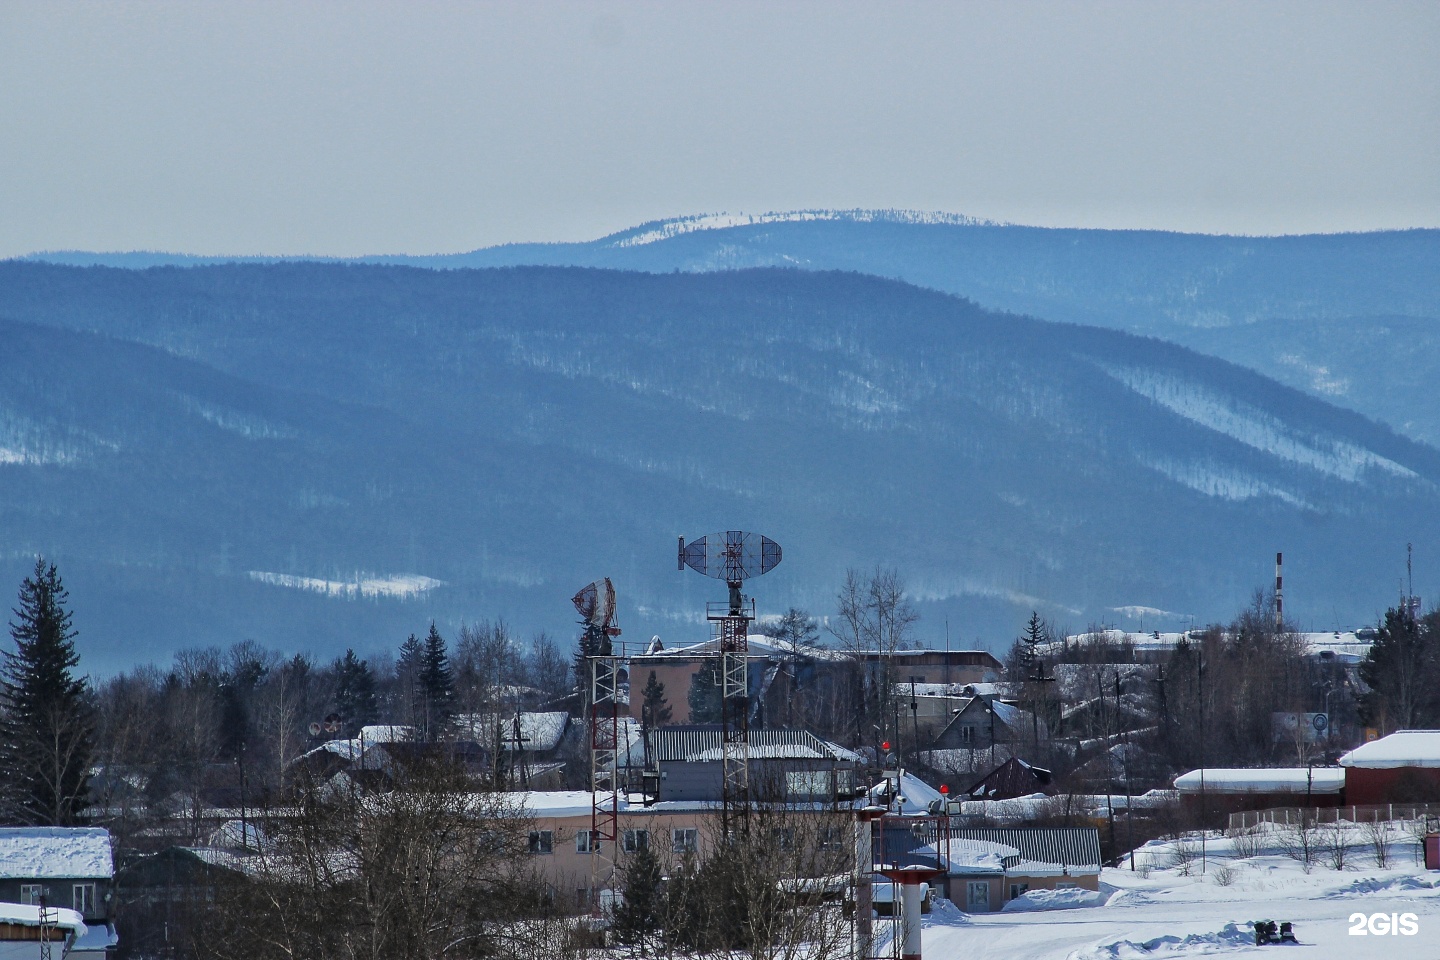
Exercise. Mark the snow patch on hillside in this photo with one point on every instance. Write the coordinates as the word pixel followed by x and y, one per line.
pixel 248 426
pixel 1253 427
pixel 26 442
pixel 665 229
pixel 402 586
pixel 1225 484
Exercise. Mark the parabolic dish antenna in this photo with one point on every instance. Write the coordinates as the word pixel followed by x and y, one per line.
pixel 731 556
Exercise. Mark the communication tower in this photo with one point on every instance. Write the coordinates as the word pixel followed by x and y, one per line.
pixel 733 556
pixel 596 606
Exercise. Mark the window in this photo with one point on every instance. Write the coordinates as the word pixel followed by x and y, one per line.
pixel 84 899
pixel 977 895
pixel 1065 885
pixel 587 841
pixel 30 893
pixel 784 838
pixel 830 838
pixel 967 734
pixel 807 783
pixel 1018 888
pixel 542 841
pixel 685 840
pixel 582 898
pixel 637 840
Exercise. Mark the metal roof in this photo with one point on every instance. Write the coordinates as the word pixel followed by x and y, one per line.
pixel 1075 846
pixel 693 742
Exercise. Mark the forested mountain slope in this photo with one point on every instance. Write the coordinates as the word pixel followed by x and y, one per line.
pixel 324 455
pixel 1301 309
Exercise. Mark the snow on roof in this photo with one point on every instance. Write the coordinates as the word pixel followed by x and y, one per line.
pixel 777 751
pixel 560 803
pixel 1345 645
pixel 1264 780
pixel 1039 868
pixel 28 915
pixel 1403 748
pixel 539 731
pixel 917 795
pixel 971 856
pixel 55 853
pixel 387 733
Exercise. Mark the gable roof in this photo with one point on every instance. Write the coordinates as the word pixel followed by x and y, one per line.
pixel 55 853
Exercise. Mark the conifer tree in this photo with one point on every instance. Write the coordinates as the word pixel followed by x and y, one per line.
pixel 45 716
pixel 408 667
pixel 354 690
pixel 437 684
pixel 639 913
pixel 654 711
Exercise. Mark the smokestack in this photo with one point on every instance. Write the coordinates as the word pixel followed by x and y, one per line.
pixel 1279 593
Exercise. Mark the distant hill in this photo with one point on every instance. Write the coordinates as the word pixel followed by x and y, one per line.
pixel 1256 301
pixel 321 455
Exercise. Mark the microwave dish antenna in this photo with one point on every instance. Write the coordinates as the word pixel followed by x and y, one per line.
pixel 733 556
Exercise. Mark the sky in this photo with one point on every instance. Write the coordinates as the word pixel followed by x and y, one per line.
pixel 357 128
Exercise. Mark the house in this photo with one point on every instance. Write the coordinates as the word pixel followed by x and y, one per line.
pixel 1403 767
pixel 687 763
pixel 73 868
pixel 1013 778
pixel 527 743
pixel 1227 790
pixel 22 932
pixel 985 721
pixel 986 868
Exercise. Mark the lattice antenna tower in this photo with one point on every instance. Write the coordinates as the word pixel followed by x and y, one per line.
pixel 733 556
pixel 596 606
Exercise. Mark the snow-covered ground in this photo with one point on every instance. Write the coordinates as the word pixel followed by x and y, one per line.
pixel 1171 907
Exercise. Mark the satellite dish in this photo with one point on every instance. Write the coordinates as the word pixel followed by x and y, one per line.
pixel 596 603
pixel 731 556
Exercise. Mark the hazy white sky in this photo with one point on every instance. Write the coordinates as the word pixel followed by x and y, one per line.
pixel 348 128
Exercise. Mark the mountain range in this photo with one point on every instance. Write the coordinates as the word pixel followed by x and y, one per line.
pixel 1351 318
pixel 321 455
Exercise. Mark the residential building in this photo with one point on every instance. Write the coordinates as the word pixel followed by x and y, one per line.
pixel 72 868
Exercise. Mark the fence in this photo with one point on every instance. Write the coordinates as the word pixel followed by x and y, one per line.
pixel 1364 813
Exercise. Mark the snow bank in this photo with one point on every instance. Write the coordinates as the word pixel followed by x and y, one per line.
pixel 1195 945
pixel 1369 886
pixel 1033 900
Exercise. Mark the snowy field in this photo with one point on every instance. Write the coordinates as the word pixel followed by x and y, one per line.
pixel 1169 908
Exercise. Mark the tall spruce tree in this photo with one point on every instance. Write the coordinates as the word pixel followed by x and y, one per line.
pixel 437 685
pixel 45 714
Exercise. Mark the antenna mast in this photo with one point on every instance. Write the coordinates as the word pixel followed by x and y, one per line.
pixel 596 605
pixel 733 556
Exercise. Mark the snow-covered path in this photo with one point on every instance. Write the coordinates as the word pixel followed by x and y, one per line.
pixel 1170 916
